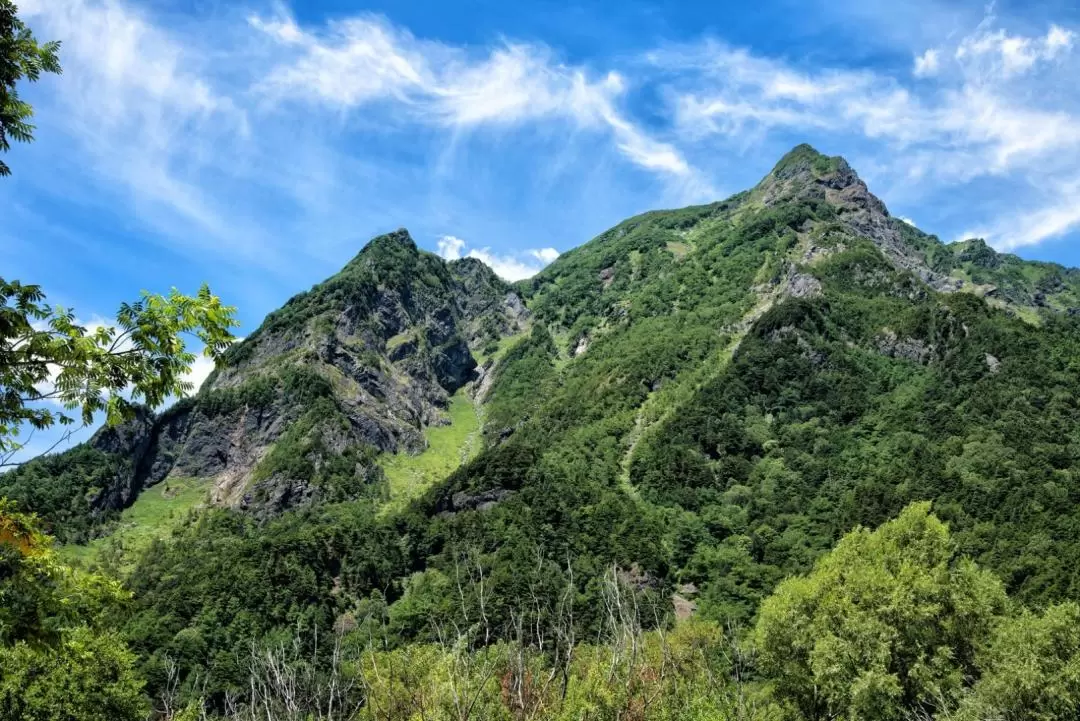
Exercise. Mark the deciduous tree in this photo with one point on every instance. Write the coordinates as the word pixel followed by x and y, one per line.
pixel 22 57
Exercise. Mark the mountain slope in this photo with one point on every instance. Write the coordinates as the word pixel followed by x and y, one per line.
pixel 359 365
pixel 727 389
pixel 705 398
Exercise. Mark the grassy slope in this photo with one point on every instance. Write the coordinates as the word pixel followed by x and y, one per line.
pixel 159 509
pixel 449 446
pixel 153 515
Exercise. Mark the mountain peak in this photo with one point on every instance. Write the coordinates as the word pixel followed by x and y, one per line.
pixel 805 161
pixel 805 173
pixel 399 237
pixel 396 249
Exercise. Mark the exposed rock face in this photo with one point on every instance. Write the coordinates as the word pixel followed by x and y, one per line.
pixel 805 174
pixel 482 501
pixel 911 349
pixel 484 380
pixel 607 277
pixel 366 359
pixel 131 441
pixel 806 348
pixel 800 285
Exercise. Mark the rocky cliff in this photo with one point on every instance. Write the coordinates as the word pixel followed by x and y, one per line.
pixel 362 363
pixel 356 366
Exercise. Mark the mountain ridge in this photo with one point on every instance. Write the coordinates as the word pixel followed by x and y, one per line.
pixel 375 325
pixel 707 398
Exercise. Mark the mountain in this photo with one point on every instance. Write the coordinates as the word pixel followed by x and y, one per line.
pixel 705 398
pixel 297 412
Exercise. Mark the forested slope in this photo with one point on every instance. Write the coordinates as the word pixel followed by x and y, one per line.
pixel 693 406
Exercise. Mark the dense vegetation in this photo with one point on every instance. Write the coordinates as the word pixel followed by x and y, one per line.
pixel 60 489
pixel 894 623
pixel 700 404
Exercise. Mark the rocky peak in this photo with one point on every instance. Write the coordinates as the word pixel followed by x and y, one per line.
pixel 390 254
pixel 357 365
pixel 804 161
pixel 474 268
pixel 399 237
pixel 805 175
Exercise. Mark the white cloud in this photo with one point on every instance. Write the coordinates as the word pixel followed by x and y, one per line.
pixel 1009 55
pixel 365 60
pixel 1058 39
pixel 450 247
pixel 927 64
pixel 545 255
pixel 508 267
pixel 907 220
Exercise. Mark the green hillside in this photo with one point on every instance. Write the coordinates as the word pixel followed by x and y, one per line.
pixel 639 485
pixel 153 516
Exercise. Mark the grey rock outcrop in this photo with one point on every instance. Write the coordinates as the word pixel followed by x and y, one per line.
pixel 805 174
pixel 364 360
pixel 912 349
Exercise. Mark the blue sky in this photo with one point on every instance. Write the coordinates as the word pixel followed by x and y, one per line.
pixel 259 145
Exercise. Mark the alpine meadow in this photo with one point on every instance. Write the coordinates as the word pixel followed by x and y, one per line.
pixel 779 457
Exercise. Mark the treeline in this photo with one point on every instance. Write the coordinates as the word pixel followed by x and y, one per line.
pixel 893 623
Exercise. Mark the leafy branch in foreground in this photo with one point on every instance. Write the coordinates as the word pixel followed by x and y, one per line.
pixel 20 57
pixel 47 356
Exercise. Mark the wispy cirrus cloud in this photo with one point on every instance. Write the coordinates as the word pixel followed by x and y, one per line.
pixel 365 60
pixel 143 112
pixel 991 104
pixel 259 140
pixel 253 141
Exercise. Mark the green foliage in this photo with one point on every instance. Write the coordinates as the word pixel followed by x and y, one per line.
pixel 522 377
pixel 58 658
pixel 684 675
pixel 708 399
pixel 45 355
pixel 1030 668
pixel 153 515
pixel 888 621
pixel 21 58
pixel 39 596
pixel 841 409
pixel 88 676
pixel 303 568
pixel 61 489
